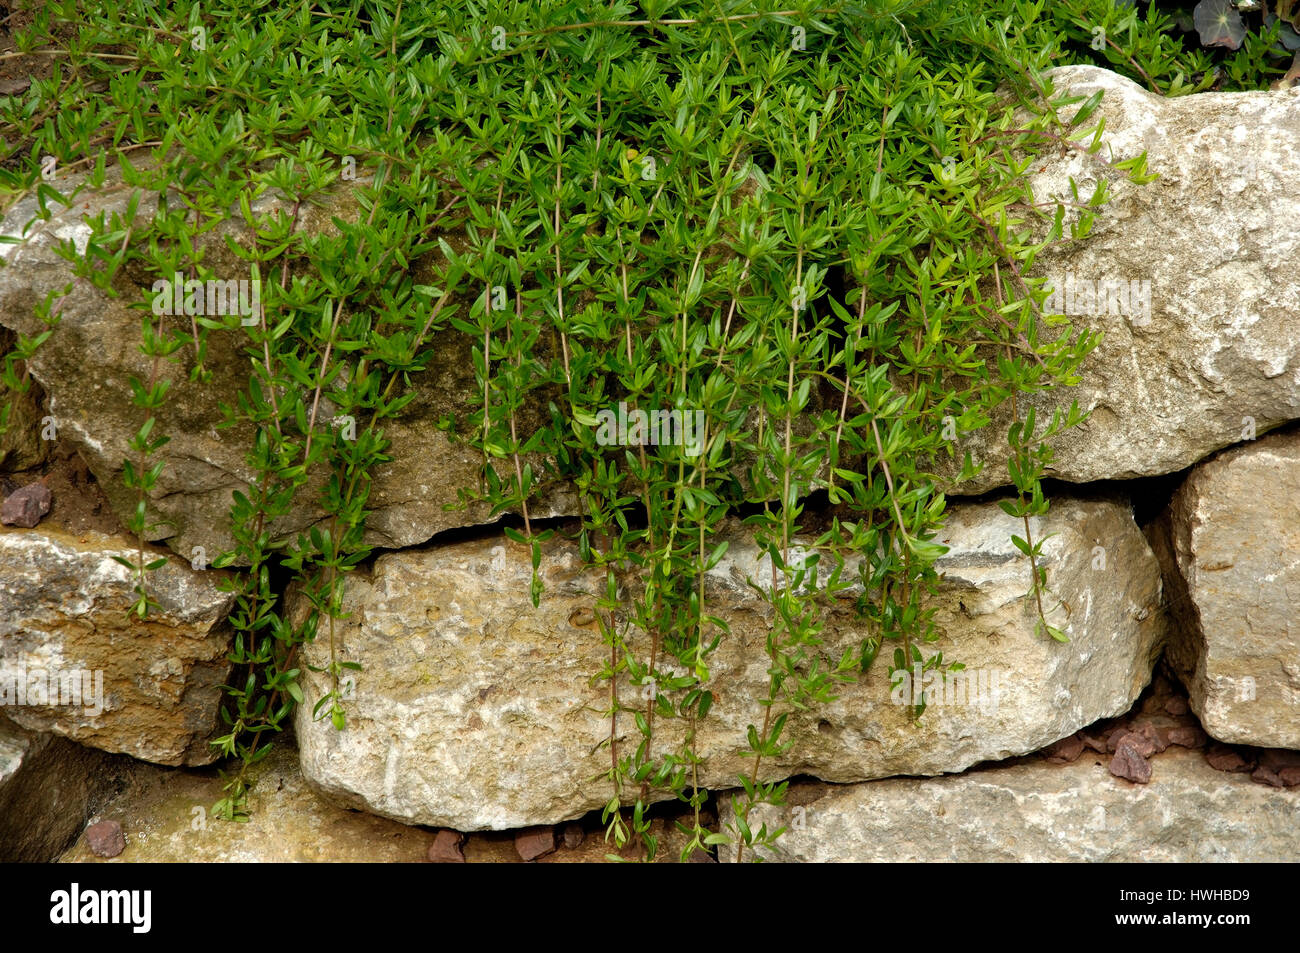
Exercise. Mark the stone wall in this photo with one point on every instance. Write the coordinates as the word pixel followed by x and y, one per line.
pixel 475 712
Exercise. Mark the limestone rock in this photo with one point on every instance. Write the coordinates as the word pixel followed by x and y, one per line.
pixel 1036 812
pixel 1230 545
pixel 1218 351
pixel 149 689
pixel 475 711
pixel 165 815
pixel 48 787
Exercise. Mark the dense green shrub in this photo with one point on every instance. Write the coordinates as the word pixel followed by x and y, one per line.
pixel 807 222
pixel 1175 48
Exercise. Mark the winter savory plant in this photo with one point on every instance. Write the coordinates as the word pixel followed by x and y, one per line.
pixel 710 260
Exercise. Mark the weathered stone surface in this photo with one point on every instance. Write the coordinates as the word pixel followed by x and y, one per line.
pixel 1036 812
pixel 147 688
pixel 86 366
pixel 48 787
pixel 475 711
pixel 1215 236
pixel 1230 546
pixel 165 815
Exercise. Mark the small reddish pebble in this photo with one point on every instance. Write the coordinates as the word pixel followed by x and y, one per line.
pixel 445 848
pixel 535 842
pixel 106 839
pixel 25 507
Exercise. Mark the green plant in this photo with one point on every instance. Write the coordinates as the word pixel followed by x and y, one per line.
pixel 22 351
pixel 1177 48
pixel 778 223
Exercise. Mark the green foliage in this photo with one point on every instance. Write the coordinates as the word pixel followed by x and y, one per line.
pixel 1176 48
pixel 18 381
pixel 1226 23
pixel 784 222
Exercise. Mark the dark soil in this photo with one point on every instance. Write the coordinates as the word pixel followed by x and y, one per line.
pixel 18 71
pixel 79 504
